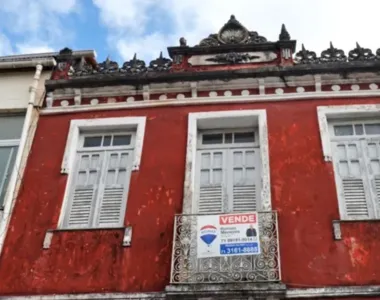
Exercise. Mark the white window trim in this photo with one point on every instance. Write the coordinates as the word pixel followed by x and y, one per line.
pixel 326 113
pixel 103 124
pixel 76 126
pixel 341 112
pixel 194 119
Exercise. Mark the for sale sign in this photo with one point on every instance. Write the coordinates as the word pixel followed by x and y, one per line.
pixel 228 235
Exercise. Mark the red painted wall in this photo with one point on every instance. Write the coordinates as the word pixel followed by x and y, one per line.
pixel 303 192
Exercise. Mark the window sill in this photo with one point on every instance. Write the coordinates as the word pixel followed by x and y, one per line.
pixel 127 238
pixel 337 230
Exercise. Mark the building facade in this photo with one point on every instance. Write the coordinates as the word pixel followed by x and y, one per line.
pixel 130 165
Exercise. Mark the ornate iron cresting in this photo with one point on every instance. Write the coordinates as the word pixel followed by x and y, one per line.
pixel 188 269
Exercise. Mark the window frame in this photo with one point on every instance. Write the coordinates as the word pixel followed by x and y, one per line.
pixel 90 127
pixel 216 121
pixel 201 146
pixel 328 116
pixel 14 143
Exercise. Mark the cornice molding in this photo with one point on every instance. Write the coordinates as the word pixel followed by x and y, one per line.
pixel 213 100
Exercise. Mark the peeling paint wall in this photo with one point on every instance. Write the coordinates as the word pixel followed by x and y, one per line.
pixel 303 192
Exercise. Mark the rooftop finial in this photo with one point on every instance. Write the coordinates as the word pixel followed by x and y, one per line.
pixel 284 34
pixel 182 42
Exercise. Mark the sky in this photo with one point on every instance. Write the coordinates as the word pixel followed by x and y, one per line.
pixel 120 28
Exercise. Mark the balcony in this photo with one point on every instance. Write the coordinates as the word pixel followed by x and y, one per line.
pixel 261 268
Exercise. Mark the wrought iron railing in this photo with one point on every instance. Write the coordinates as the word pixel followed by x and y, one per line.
pixel 187 268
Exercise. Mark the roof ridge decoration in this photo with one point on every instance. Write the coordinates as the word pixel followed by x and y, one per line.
pixel 305 56
pixel 335 55
pixel 284 34
pixel 134 66
pixel 332 54
pixel 232 33
pixel 108 66
pixel 361 54
pixel 160 64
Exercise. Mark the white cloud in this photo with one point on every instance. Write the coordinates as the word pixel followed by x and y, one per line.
pixel 121 14
pixel 38 23
pixel 33 48
pixel 5 45
pixel 315 23
pixel 142 46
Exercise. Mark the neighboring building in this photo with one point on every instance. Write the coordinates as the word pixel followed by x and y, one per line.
pixel 287 144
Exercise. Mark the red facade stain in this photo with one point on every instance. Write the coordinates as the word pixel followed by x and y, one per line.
pixel 303 193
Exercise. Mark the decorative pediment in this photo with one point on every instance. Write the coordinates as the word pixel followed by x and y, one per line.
pixel 232 33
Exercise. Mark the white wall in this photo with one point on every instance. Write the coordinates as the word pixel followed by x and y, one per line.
pixel 14 88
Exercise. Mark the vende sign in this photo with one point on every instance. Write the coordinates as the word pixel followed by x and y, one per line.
pixel 238 219
pixel 228 235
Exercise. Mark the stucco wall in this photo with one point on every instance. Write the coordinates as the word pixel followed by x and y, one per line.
pixel 303 192
pixel 14 88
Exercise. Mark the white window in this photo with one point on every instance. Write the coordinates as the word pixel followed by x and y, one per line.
pixel 10 133
pixel 350 136
pixel 101 179
pixel 99 158
pixel 228 168
pixel 227 163
pixel 356 157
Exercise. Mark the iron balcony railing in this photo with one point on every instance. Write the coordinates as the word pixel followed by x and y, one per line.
pixel 187 268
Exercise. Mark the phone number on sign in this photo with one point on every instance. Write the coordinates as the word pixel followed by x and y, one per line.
pixel 236 250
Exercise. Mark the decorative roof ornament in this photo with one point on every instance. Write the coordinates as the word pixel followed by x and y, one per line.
pixel 332 54
pixel 82 68
pixel 182 42
pixel 64 58
pixel 65 52
pixel 306 57
pixel 134 66
pixel 108 66
pixel 232 58
pixel 284 34
pixel 160 64
pixel 361 54
pixel 232 33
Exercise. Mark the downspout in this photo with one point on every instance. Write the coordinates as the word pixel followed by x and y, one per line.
pixel 10 198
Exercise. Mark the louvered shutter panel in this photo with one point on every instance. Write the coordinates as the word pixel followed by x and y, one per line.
pixel 373 165
pixel 245 181
pixel 211 181
pixel 114 188
pixel 85 185
pixel 349 165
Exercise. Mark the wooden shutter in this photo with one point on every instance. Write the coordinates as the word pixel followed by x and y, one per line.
pixel 349 166
pixel 211 179
pixel 244 179
pixel 372 150
pixel 114 188
pixel 85 185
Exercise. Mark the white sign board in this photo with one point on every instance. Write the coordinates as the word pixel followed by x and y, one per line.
pixel 227 235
